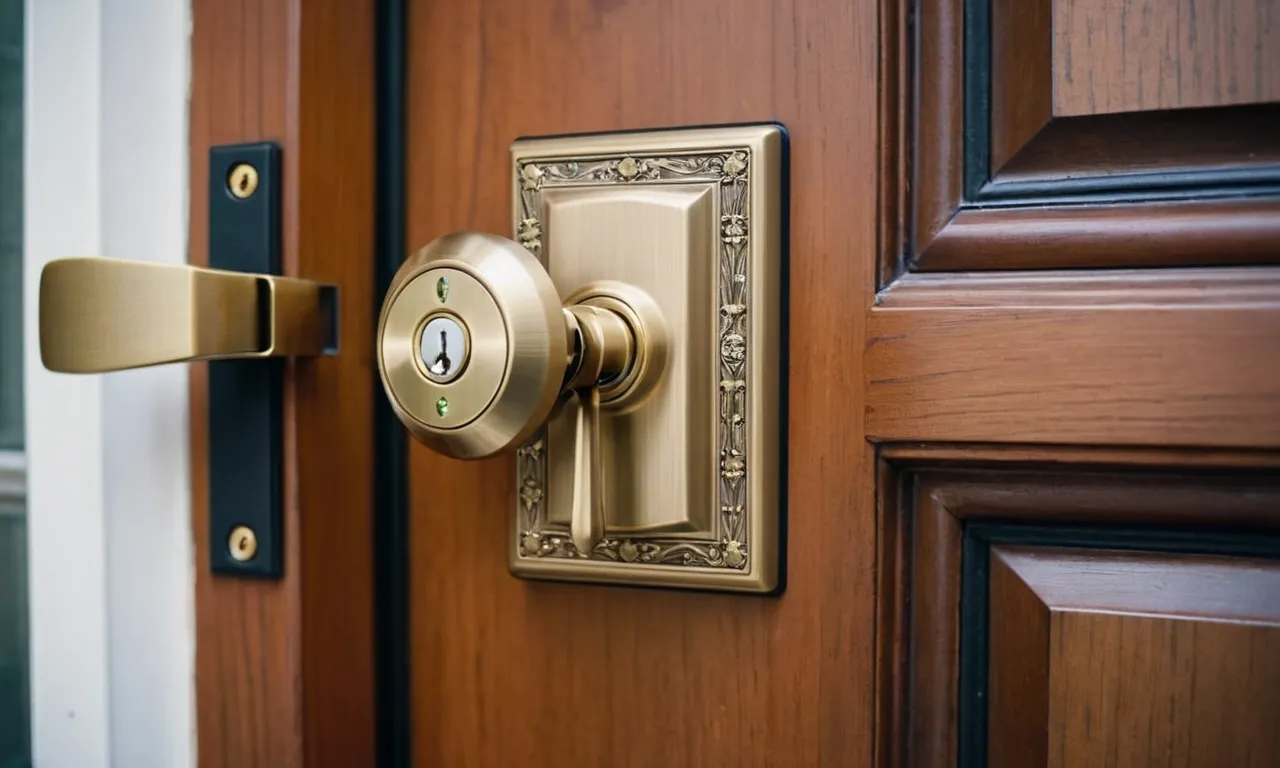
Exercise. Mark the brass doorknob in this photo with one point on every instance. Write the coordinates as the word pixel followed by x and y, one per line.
pixel 476 349
pixel 101 314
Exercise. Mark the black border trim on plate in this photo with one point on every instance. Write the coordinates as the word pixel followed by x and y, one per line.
pixel 390 452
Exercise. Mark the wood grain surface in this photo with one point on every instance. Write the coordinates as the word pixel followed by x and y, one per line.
pixel 1133 658
pixel 1167 357
pixel 936 171
pixel 1074 633
pixel 284 669
pixel 1139 55
pixel 1195 233
pixel 1008 185
pixel 507 672
pixel 1018 642
pixel 1021 75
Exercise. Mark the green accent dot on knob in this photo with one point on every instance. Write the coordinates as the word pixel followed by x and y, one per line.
pixel 442 289
pixel 442 406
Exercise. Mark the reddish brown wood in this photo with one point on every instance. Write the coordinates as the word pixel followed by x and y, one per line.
pixel 1021 75
pixel 1040 163
pixel 932 678
pixel 1160 713
pixel 937 120
pixel 1174 357
pixel 996 454
pixel 1098 147
pixel 1080 495
pixel 1018 687
pixel 1163 54
pixel 893 629
pixel 1146 659
pixel 507 672
pixel 896 71
pixel 1041 680
pixel 284 669
pixel 1189 586
pixel 1195 233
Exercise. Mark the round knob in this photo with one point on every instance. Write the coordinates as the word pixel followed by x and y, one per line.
pixel 472 344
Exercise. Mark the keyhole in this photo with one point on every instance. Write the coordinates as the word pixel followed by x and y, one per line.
pixel 441 365
pixel 443 348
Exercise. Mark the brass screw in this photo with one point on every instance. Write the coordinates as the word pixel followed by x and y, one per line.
pixel 243 180
pixel 242 543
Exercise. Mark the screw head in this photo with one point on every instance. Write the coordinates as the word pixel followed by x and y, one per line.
pixel 242 543
pixel 242 181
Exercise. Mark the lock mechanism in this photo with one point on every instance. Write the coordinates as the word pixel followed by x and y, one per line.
pixel 516 355
pixel 627 346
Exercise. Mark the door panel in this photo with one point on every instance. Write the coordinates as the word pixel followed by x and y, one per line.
pixel 1026 416
pixel 1073 617
pixel 1089 652
pixel 507 672
pixel 1052 135
pixel 1070 385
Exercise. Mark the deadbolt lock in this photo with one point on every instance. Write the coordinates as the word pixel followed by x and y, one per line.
pixel 476 350
pixel 627 348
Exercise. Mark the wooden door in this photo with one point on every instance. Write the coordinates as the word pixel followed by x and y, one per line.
pixel 1034 390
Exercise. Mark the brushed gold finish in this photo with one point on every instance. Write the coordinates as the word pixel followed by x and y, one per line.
pixel 607 353
pixel 642 317
pixel 588 526
pixel 101 314
pixel 242 181
pixel 607 348
pixel 659 315
pixel 693 220
pixel 519 348
pixel 242 544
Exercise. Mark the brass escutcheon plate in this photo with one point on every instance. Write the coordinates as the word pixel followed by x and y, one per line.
pixel 694 474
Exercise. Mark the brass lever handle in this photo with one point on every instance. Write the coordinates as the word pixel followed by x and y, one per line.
pixel 605 351
pixel 101 314
pixel 586 528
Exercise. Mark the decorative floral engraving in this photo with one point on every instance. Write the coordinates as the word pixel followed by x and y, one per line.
pixel 730 169
pixel 530 234
pixel 734 229
pixel 733 348
pixel 531 177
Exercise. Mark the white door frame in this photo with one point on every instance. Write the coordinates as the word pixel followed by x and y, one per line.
pixel 108 483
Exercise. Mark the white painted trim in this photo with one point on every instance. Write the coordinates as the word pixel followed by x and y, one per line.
pixel 110 546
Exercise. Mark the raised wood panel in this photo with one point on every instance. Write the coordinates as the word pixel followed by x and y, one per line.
pixel 1019 608
pixel 999 142
pixel 284 669
pixel 1021 77
pixel 1128 658
pixel 1163 234
pixel 1018 686
pixel 507 672
pixel 1163 54
pixel 1168 357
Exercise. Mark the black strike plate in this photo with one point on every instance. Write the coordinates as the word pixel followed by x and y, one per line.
pixel 246 412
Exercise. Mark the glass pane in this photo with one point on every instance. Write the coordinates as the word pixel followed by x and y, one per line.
pixel 10 226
